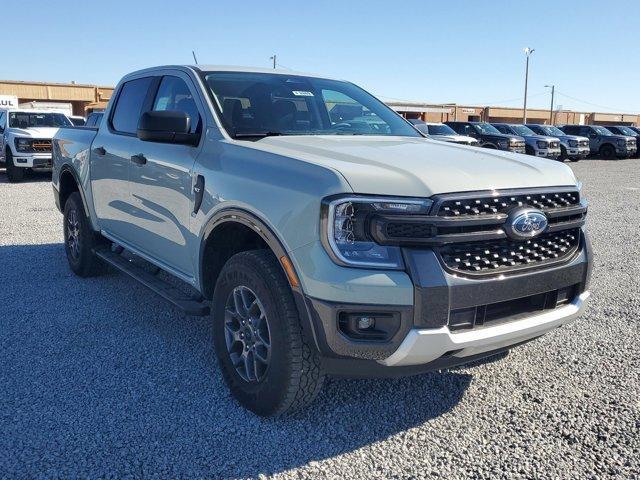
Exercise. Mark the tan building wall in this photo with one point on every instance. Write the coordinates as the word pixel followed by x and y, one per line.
pixel 83 98
pixel 469 113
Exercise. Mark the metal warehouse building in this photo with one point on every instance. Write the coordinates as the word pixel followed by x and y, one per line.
pixel 463 113
pixel 81 98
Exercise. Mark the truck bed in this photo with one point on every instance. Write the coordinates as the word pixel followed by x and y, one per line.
pixel 71 143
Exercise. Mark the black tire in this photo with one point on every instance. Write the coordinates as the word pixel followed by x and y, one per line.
pixel 14 174
pixel 607 152
pixel 293 375
pixel 563 154
pixel 529 150
pixel 80 240
pixel 577 159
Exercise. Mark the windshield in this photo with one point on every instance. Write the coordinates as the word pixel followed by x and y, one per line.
pixel 522 130
pixel 551 130
pixel 31 120
pixel 441 130
pixel 486 129
pixel 602 131
pixel 627 131
pixel 263 104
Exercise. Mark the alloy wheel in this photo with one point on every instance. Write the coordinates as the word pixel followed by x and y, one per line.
pixel 247 334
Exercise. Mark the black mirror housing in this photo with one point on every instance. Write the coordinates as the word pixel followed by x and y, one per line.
pixel 166 127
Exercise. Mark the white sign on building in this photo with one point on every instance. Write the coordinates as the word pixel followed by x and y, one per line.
pixel 8 101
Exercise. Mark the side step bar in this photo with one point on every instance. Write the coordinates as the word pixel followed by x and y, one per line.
pixel 189 305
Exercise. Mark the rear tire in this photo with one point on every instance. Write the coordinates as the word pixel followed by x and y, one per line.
pixel 607 152
pixel 14 174
pixel 263 354
pixel 80 240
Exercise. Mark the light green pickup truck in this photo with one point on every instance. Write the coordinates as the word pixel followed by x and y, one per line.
pixel 321 231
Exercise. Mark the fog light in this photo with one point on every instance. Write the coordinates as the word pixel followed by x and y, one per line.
pixel 366 322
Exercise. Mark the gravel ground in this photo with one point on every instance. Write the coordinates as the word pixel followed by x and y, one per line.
pixel 99 379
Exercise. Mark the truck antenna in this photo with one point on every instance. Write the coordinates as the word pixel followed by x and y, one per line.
pixel 194 57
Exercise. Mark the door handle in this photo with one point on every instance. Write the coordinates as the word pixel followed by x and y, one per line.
pixel 139 159
pixel 100 151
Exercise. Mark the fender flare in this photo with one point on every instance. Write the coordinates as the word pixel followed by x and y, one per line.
pixel 249 219
pixel 66 168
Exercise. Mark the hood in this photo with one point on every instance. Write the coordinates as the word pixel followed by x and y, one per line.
pixel 619 137
pixel 577 138
pixel 407 166
pixel 454 138
pixel 36 132
pixel 546 138
pixel 506 136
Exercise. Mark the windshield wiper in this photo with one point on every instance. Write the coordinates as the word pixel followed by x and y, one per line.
pixel 257 134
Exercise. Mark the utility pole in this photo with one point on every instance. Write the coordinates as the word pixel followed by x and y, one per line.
pixel 527 51
pixel 553 91
pixel 274 60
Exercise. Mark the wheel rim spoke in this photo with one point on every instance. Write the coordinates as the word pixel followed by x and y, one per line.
pixel 247 335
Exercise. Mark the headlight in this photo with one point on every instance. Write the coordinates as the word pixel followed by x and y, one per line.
pixel 503 143
pixel 573 143
pixel 622 143
pixel 346 231
pixel 542 144
pixel 22 144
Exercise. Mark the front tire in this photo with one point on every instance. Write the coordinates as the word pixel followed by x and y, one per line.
pixel 80 240
pixel 607 152
pixel 14 174
pixel 264 357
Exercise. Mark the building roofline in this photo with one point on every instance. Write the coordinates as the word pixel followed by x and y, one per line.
pixel 58 84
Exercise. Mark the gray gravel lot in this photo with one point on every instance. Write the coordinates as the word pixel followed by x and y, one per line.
pixel 100 379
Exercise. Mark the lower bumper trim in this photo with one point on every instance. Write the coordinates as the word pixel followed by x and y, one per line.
pixel 426 345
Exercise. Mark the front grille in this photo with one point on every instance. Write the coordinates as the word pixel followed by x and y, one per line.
pixel 491 205
pixel 507 254
pixel 408 230
pixel 41 146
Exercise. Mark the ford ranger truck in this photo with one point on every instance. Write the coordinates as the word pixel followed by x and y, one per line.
pixel 315 249
pixel 603 142
pixel 25 139
pixel 489 137
pixel 536 145
pixel 572 147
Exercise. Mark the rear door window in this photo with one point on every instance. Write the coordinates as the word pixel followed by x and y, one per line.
pixel 129 105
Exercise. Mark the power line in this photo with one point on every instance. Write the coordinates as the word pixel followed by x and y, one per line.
pixel 617 110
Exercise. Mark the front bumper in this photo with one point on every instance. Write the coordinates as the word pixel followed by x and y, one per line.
pixel 426 345
pixel 426 336
pixel 578 152
pixel 548 153
pixel 517 149
pixel 626 151
pixel 32 160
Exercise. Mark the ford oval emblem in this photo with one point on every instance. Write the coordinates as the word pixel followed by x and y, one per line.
pixel 527 223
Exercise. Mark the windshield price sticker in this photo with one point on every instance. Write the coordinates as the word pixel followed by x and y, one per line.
pixel 299 93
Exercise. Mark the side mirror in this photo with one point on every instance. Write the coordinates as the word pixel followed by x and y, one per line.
pixel 166 127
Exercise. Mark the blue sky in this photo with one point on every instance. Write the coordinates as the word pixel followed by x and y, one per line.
pixel 437 51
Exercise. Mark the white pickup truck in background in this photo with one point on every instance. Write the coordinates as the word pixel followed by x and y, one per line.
pixel 25 139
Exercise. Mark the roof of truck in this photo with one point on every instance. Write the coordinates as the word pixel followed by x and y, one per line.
pixel 33 110
pixel 236 68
